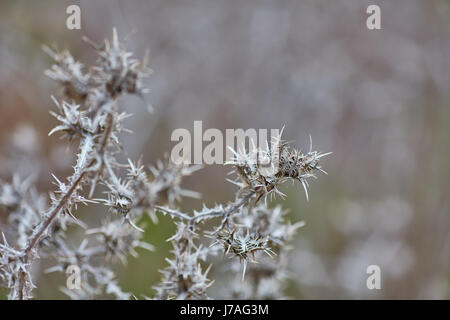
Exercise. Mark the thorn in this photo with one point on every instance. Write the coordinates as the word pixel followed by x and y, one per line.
pixel 310 143
pixel 132 224
pixel 243 271
pixel 304 187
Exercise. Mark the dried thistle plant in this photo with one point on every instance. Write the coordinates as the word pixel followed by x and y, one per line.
pixel 95 120
pixel 246 227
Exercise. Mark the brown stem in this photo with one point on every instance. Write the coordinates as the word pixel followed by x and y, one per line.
pixel 44 227
pixel 233 209
pixel 34 241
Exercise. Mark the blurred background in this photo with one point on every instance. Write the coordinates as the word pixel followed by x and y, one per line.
pixel 379 99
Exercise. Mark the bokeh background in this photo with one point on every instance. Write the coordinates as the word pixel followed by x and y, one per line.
pixel 380 100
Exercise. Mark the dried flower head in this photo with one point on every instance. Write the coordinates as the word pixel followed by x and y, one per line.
pixel 262 171
pixel 184 277
pixel 243 245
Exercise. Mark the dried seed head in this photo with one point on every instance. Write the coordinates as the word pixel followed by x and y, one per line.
pixel 285 163
pixel 243 246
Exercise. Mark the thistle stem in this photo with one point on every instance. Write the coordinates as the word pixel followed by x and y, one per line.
pixel 62 202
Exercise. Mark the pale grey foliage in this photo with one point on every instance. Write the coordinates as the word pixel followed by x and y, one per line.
pixel 94 118
pixel 246 228
pixel 184 277
pixel 266 278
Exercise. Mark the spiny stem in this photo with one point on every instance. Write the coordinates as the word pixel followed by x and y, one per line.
pixel 44 227
pixel 62 202
pixel 232 210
